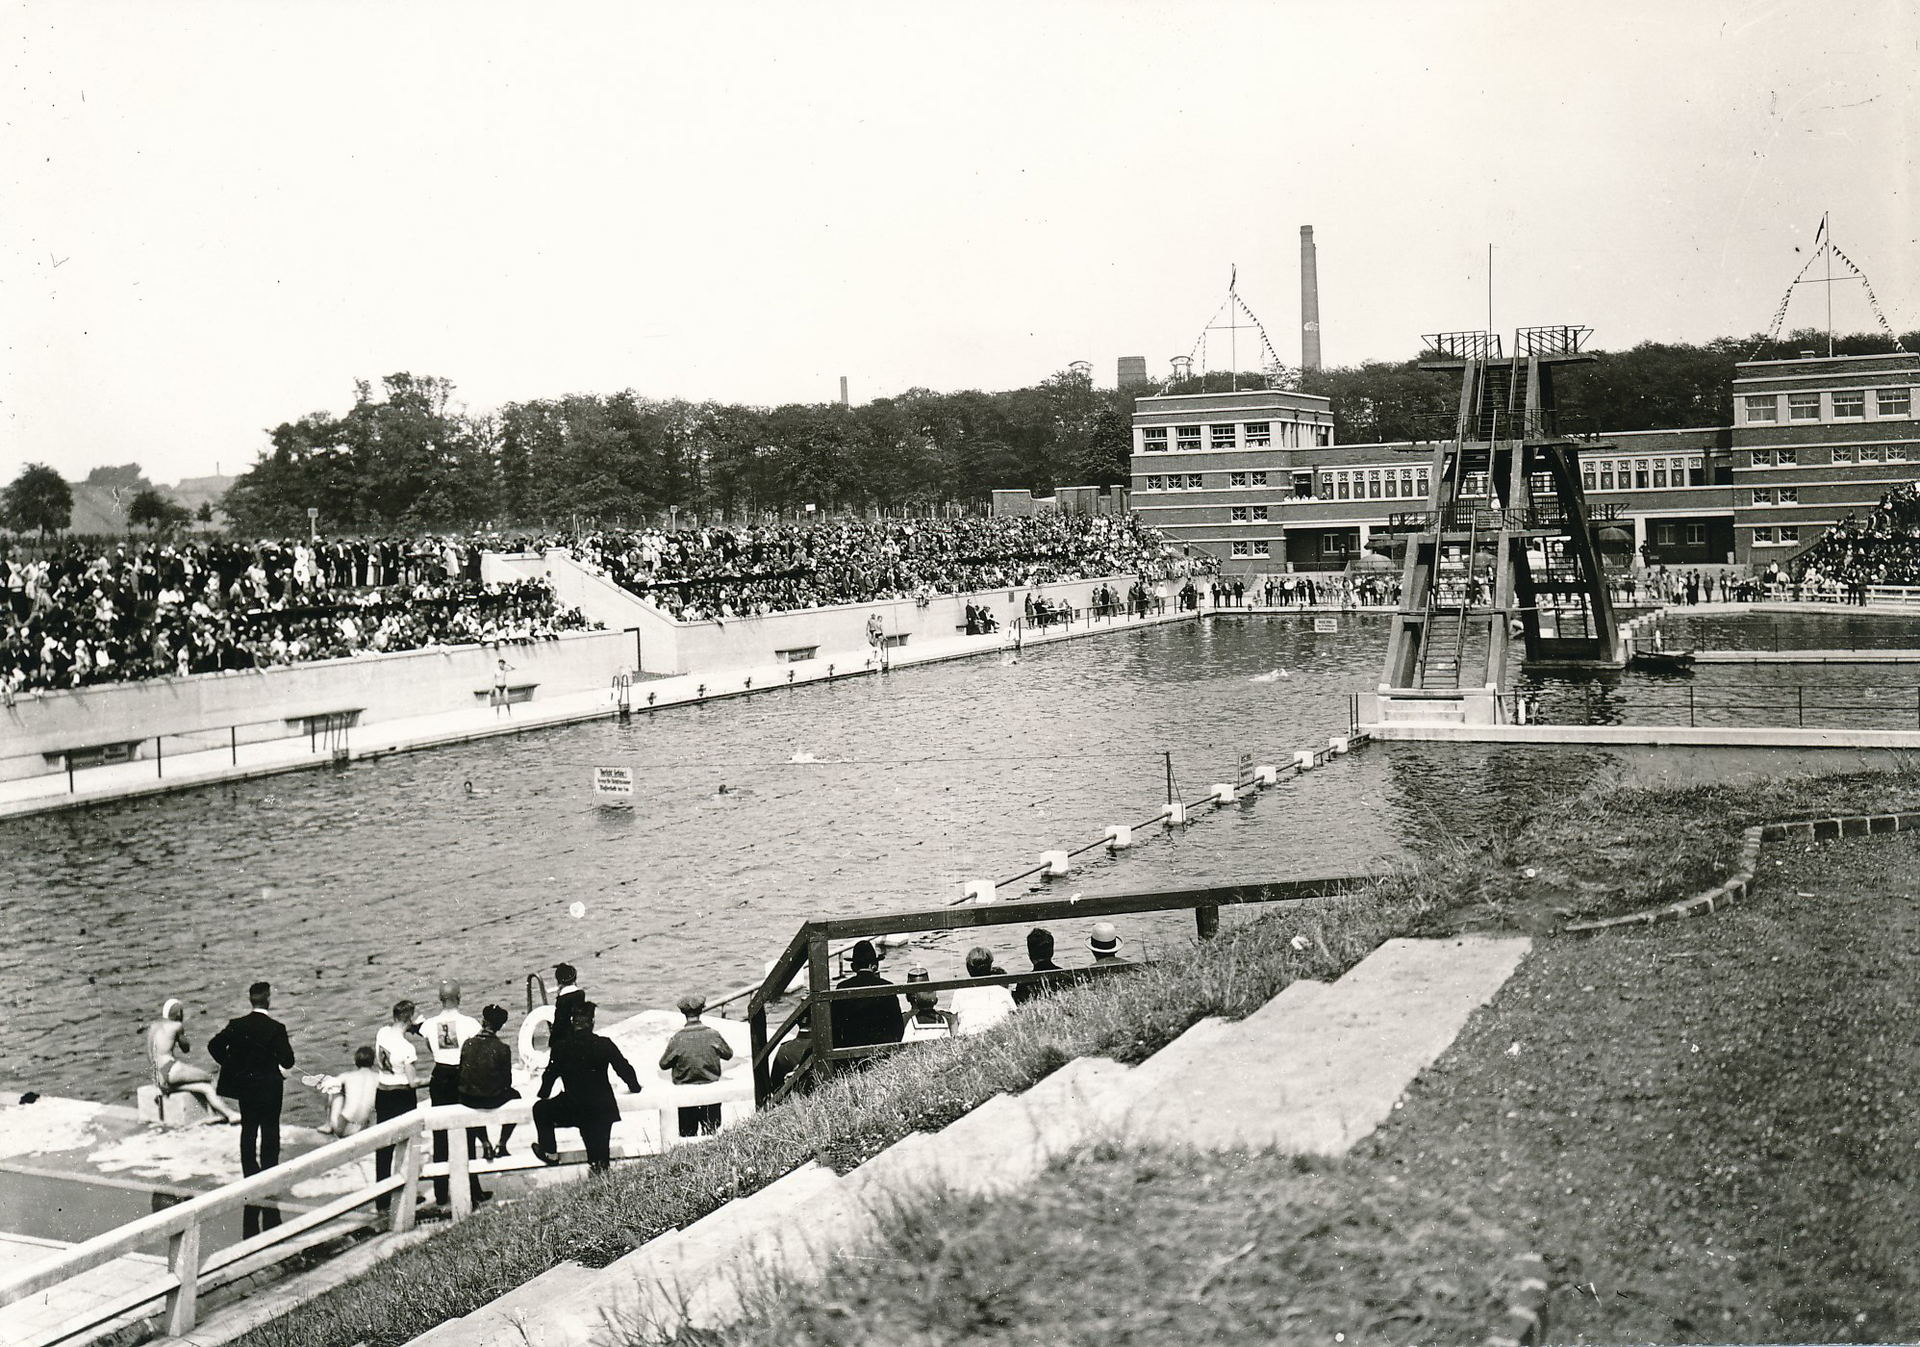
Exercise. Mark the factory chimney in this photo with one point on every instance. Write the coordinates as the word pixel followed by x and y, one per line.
pixel 843 390
pixel 1309 302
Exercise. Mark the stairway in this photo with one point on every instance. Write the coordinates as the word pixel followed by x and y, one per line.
pixel 1311 1072
pixel 1441 644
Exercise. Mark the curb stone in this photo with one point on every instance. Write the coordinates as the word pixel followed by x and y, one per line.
pixel 1526 1320
pixel 1739 884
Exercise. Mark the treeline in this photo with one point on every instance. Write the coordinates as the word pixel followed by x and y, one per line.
pixel 404 457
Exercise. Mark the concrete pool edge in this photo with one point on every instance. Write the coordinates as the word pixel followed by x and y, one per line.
pixel 1681 736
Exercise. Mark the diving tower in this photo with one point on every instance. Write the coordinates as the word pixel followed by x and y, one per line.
pixel 1506 546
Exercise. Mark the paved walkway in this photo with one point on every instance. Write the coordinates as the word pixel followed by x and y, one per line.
pixel 40 794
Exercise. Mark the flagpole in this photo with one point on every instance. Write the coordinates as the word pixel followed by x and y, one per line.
pixel 1826 229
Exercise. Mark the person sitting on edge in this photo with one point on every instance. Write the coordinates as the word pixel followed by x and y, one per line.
pixel 1104 945
pixel 486 1077
pixel 1040 955
pixel 349 1095
pixel 581 1061
pixel 927 1020
pixel 166 1045
pixel 694 1055
pixel 976 1009
pixel 868 1020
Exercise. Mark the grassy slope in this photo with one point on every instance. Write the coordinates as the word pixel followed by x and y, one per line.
pixel 1599 852
pixel 1706 1128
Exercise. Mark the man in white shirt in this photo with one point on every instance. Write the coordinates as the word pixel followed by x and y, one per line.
pixel 978 1008
pixel 446 1033
pixel 396 1085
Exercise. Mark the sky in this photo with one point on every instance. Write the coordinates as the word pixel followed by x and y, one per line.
pixel 220 216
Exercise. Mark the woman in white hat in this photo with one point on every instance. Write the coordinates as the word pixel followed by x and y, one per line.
pixel 166 1046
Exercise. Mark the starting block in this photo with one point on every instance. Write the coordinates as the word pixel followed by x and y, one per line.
pixel 173 1109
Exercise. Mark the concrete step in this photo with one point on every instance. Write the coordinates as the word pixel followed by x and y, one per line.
pixel 1292 1000
pixel 1318 1078
pixel 498 1322
pixel 603 1302
pixel 891 1174
pixel 1193 1053
pixel 1063 1108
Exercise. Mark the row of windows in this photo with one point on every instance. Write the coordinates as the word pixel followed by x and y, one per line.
pixel 1239 513
pixel 1784 536
pixel 1641 474
pixel 1845 404
pixel 1177 482
pixel 1374 484
pixel 1842 453
pixel 1257 549
pixel 1668 535
pixel 1251 435
pixel 1771 495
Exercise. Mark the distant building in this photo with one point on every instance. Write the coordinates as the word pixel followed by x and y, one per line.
pixel 1132 372
pixel 1082 500
pixel 1256 479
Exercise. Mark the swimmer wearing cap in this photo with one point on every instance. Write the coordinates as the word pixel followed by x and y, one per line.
pixel 167 1045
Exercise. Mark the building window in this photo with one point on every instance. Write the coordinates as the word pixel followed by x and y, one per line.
pixel 1872 453
pixel 1803 406
pixel 1696 475
pixel 1789 495
pixel 1790 533
pixel 1186 437
pixel 1262 549
pixel 1893 401
pixel 1238 514
pixel 1640 473
pixel 1193 480
pixel 1259 479
pixel 1763 537
pixel 1659 472
pixel 1586 476
pixel 1762 458
pixel 1221 436
pixel 1393 487
pixel 1326 486
pixel 1341 485
pixel 1259 435
pixel 1896 453
pixel 1154 438
pixel 1333 544
pixel 1239 549
pixel 1425 490
pixel 1788 457
pixel 1663 534
pixel 1237 479
pixel 1323 436
pixel 1259 512
pixel 1852 402
pixel 1696 535
pixel 1606 474
pixel 1373 485
pixel 1474 484
pixel 1843 455
pixel 1763 495
pixel 1763 408
pixel 1156 483
pixel 1406 482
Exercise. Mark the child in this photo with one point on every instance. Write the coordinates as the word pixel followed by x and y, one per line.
pixel 694 1056
pixel 351 1095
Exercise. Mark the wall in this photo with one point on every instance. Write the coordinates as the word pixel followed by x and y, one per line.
pixel 262 701
pixel 669 647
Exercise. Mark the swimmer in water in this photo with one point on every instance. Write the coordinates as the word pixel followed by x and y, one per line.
pixel 473 790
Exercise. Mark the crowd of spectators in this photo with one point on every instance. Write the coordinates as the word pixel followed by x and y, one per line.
pixel 1884 550
pixel 77 615
pixel 705 573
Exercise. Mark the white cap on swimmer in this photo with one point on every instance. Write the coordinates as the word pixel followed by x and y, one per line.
pixel 173 1008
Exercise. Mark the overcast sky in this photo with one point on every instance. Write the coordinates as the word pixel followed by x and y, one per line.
pixel 220 216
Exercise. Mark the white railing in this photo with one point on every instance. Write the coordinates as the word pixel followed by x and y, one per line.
pixel 188 1271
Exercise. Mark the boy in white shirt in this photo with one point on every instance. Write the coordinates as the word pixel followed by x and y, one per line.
pixel 395 1085
pixel 978 1008
pixel 446 1033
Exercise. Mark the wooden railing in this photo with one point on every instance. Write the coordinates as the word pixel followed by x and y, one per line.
pixel 188 1270
pixel 810 949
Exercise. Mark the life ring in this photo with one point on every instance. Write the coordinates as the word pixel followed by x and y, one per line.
pixel 533 1057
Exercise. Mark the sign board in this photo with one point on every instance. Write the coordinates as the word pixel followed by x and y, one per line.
pixel 313 513
pixel 613 786
pixel 1246 771
pixel 1326 624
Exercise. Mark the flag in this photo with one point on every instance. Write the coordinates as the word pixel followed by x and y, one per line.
pixel 1821 232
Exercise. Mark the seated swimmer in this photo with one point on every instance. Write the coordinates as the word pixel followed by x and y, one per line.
pixel 166 1046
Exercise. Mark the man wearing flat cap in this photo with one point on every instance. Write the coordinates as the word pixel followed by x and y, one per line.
pixel 694 1055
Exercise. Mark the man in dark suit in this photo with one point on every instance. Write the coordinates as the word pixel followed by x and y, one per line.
pixel 253 1052
pixel 568 997
pixel 870 1020
pixel 580 1061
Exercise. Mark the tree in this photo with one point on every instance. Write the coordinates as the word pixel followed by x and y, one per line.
pixel 38 501
pixel 155 511
pixel 205 513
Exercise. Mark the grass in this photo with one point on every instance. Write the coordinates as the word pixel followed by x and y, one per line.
pixel 1604 850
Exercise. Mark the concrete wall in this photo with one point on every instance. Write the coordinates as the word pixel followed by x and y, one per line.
pixel 669 647
pixel 199 709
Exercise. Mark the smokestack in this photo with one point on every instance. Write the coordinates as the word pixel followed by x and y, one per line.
pixel 1132 371
pixel 843 390
pixel 1309 302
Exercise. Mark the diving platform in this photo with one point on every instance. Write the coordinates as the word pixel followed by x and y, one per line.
pixel 1508 548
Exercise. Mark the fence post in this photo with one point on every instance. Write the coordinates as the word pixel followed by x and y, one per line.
pixel 183 1261
pixel 407 1199
pixel 69 760
pixel 757 1041
pixel 1208 921
pixel 233 743
pixel 459 1189
pixel 819 980
pixel 1689 706
pixel 159 768
pixel 1800 703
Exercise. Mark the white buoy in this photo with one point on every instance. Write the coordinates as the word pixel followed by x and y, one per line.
pixel 1223 793
pixel 1304 760
pixel 1177 813
pixel 1056 863
pixel 1267 775
pixel 980 891
pixel 1339 743
pixel 1119 837
pixel 895 940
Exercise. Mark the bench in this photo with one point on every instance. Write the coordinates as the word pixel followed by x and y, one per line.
pixel 516 694
pixel 311 723
pixel 94 755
